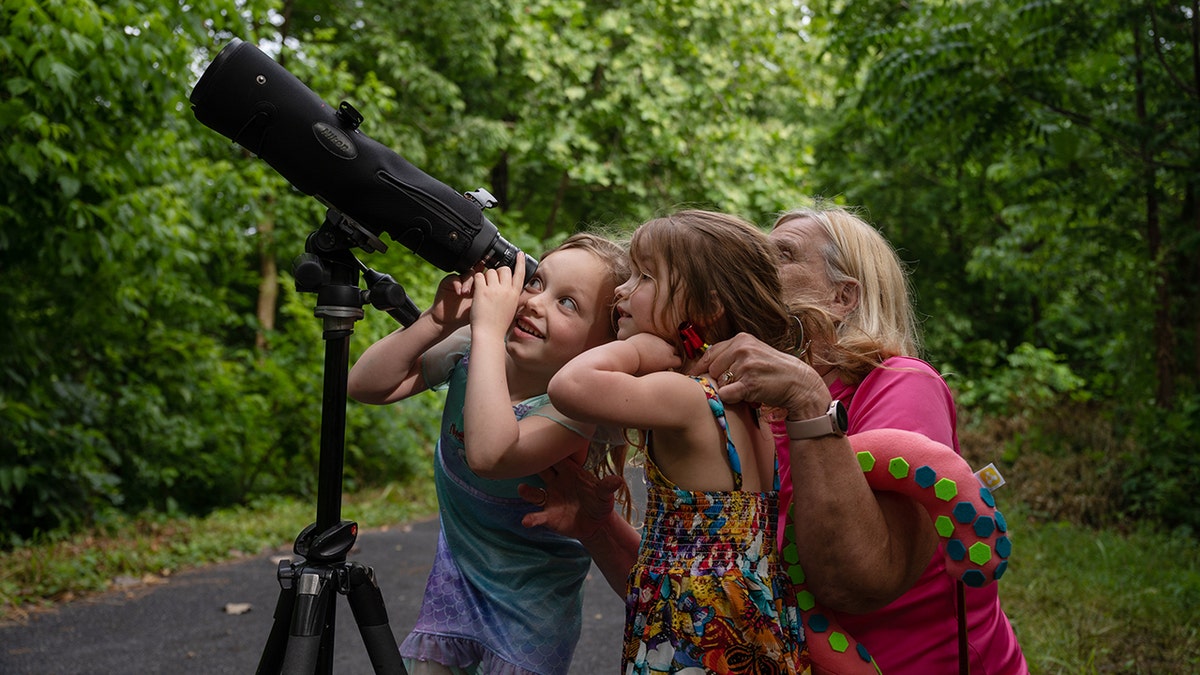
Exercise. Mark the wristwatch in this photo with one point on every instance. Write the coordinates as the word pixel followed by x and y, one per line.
pixel 832 423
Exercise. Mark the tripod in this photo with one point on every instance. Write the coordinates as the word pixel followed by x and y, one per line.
pixel 302 635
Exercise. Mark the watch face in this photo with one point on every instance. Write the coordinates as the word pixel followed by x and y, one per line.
pixel 840 417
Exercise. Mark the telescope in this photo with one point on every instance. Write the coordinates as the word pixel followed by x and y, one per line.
pixel 251 99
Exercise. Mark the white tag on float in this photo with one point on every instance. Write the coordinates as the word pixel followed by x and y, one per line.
pixel 989 477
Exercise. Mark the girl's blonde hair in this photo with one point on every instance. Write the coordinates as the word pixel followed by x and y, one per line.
pixel 721 273
pixel 608 450
pixel 883 324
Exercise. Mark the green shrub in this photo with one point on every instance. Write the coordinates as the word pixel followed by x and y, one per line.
pixel 1162 474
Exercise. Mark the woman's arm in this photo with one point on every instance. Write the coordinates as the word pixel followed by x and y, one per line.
pixel 614 549
pixel 859 549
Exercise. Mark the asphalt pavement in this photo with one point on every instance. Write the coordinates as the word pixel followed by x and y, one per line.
pixel 191 622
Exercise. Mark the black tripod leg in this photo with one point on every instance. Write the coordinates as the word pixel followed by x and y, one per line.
pixel 366 601
pixel 312 611
pixel 272 656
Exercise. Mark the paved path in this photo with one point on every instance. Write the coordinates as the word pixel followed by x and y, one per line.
pixel 180 625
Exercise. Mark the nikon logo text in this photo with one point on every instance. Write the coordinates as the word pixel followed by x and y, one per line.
pixel 335 140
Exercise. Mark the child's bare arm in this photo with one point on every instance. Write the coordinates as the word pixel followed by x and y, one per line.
pixel 390 369
pixel 539 442
pixel 492 435
pixel 625 384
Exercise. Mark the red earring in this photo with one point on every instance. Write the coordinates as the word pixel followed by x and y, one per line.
pixel 693 344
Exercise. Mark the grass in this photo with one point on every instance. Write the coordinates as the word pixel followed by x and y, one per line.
pixel 1086 601
pixel 1083 601
pixel 1088 591
pixel 146 549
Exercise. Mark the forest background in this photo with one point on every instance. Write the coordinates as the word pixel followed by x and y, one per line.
pixel 1036 163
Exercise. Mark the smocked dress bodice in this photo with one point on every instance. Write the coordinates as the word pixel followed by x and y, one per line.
pixel 707 591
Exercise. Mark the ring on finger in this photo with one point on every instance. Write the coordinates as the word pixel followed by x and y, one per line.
pixel 726 377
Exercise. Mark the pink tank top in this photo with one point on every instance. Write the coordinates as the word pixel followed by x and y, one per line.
pixel 918 632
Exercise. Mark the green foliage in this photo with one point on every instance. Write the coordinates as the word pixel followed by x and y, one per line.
pixel 982 135
pixel 1071 591
pixel 1035 162
pixel 138 369
pixel 1032 380
pixel 104 266
pixel 578 113
pixel 131 379
pixel 1162 478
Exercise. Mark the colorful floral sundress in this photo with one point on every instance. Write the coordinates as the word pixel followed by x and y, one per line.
pixel 707 593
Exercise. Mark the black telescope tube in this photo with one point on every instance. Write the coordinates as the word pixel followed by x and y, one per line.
pixel 249 98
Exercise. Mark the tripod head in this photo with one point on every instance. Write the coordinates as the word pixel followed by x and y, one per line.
pixel 329 268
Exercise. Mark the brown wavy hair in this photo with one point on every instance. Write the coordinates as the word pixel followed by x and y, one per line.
pixel 722 274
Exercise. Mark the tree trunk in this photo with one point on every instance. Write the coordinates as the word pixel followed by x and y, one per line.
pixel 1164 340
pixel 268 285
pixel 1192 212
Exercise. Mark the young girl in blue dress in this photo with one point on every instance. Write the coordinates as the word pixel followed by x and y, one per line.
pixel 501 598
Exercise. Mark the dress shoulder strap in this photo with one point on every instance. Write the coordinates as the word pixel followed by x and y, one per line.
pixel 718 411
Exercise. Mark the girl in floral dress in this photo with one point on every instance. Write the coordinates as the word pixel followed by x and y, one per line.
pixel 706 593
